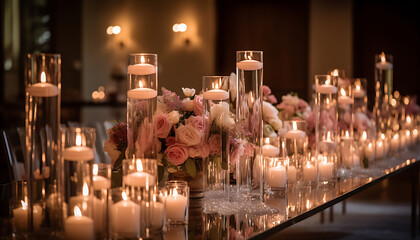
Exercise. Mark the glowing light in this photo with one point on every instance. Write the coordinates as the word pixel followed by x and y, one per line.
pixel 383 59
pixel 335 73
pixel 175 194
pixel 393 102
pixel 406 100
pixel 85 190
pixel 124 196
pixel 77 212
pixel 43 77
pixel 78 139
pixel 357 87
pixel 179 27
pixel 408 119
pixel 140 84
pixel 267 141
pixel 116 30
pixel 278 164
pixel 294 125
pixel 364 136
pixel 24 205
pixel 95 170
pixel 139 165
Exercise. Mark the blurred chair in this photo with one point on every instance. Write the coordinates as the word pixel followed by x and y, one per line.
pixel 15 153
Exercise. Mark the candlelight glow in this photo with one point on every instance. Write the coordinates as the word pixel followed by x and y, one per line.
pixel 382 136
pixel 347 134
pixel 364 136
pixel 383 59
pixel 328 81
pixel 142 59
pixel 335 73
pixel 357 87
pixel 77 211
pixel 406 100
pixel 140 84
pixel 179 27
pixel 278 164
pixel 294 125
pixel 24 205
pixel 78 139
pixel 124 196
pixel 116 30
pixel 43 77
pixel 393 102
pixel 85 190
pixel 175 193
pixel 267 140
pixel 95 170
pixel 139 165
pixel 408 119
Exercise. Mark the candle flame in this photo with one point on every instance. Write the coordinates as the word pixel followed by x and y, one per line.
pixel 294 125
pixel 249 57
pixel 124 196
pixel 396 136
pixel 382 136
pixel 328 136
pixel 139 165
pixel 278 164
pixel 175 193
pixel 308 164
pixel 85 190
pixel 407 133
pixel 77 211
pixel 335 73
pixel 24 205
pixel 347 134
pixel 415 132
pixel 380 143
pixel 328 81
pixel 364 135
pixel 408 119
pixel 78 139
pixel 357 87
pixel 43 77
pixel 142 59
pixel 95 169
pixel 325 160
pixel 267 140
pixel 383 58
pixel 308 204
pixel 343 92
pixel 140 84
pixel 216 86
pixel 370 145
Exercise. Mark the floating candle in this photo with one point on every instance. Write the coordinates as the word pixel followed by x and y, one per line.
pixel 139 179
pixel 249 65
pixel 78 227
pixel 326 89
pixel 270 150
pixel 383 64
pixel 345 100
pixel 42 89
pixel 216 94
pixel 78 152
pixel 309 172
pixel 358 92
pixel 295 134
pixel 141 68
pixel 176 206
pixel 277 177
pixel 158 215
pixel 125 218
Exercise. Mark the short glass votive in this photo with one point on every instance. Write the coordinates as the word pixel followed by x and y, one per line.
pixel 101 184
pixel 158 216
pixel 308 172
pixel 276 175
pixel 124 215
pixel 139 181
pixel 177 202
pixel 326 169
pixel 296 145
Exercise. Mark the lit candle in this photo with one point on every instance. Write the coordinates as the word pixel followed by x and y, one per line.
pixel 270 150
pixel 326 169
pixel 78 227
pixel 359 92
pixel 326 88
pixel 78 152
pixel 43 89
pixel 380 149
pixel 176 206
pixel 20 216
pixel 295 133
pixel 139 178
pixel 395 142
pixel 370 152
pixel 309 172
pixel 98 214
pixel 158 214
pixel 141 68
pixel 343 99
pixel 383 64
pixel 291 174
pixel 141 92
pixel 99 182
pixel 216 93
pixel 249 65
pixel 277 176
pixel 80 199
pixel 125 218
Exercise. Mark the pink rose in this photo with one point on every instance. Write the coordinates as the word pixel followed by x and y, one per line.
pixel 272 99
pixel 176 154
pixel 198 104
pixel 197 122
pixel 170 140
pixel 163 125
pixel 266 90
pixel 195 151
pixel 187 135
pixel 215 144
pixel 144 144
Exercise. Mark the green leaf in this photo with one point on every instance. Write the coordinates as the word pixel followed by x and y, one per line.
pixel 118 162
pixel 189 167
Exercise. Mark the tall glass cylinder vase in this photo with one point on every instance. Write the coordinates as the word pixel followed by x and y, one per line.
pixel 101 177
pixel 78 155
pixel 348 157
pixel 141 105
pixel 216 112
pixel 296 145
pixel 249 168
pixel 326 121
pixel 383 94
pixel 42 108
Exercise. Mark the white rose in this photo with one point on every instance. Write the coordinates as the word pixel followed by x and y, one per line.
pixel 276 123
pixel 161 106
pixel 217 110
pixel 188 92
pixel 269 111
pixel 233 86
pixel 174 116
pixel 290 100
pixel 187 135
pixel 188 105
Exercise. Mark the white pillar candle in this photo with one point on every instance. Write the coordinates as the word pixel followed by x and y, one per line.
pixel 20 217
pixel 176 207
pixel 326 170
pixel 142 93
pixel 78 153
pixel 158 215
pixel 98 214
pixel 291 174
pixel 125 218
pixel 42 89
pixel 249 65
pixel 309 172
pixel 216 94
pixel 326 89
pixel 100 182
pixel 141 69
pixel 370 152
pixel 270 150
pixel 395 142
pixel 359 93
pixel 277 176
pixel 295 134
pixel 139 179
pixel 78 227
pixel 384 65
pixel 345 100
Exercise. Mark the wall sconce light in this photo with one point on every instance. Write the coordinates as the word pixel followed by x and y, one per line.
pixel 113 30
pixel 180 28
